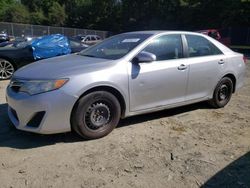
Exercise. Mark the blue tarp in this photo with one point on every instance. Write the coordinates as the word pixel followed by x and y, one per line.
pixel 50 46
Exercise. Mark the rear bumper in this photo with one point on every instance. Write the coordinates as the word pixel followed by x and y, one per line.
pixel 45 113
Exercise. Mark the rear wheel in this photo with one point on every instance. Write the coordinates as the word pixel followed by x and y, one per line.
pixel 96 114
pixel 222 93
pixel 6 69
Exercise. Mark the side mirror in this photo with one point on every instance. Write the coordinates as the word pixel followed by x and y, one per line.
pixel 144 57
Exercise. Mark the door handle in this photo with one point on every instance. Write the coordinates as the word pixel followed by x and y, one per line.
pixel 221 62
pixel 182 67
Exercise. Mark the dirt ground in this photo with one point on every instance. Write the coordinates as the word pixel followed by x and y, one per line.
pixel 192 146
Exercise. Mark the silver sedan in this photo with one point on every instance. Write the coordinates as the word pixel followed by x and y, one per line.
pixel 125 75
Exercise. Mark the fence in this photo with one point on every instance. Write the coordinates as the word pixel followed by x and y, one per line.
pixel 17 30
pixel 237 35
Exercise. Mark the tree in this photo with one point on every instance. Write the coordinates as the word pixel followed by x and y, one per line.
pixel 38 18
pixel 16 12
pixel 32 5
pixel 149 14
pixel 56 14
pixel 203 14
pixel 127 15
pixel 4 4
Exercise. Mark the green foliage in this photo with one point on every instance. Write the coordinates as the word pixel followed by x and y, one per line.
pixel 16 13
pixel 154 14
pixel 32 5
pixel 126 15
pixel 56 14
pixel 38 18
pixel 4 4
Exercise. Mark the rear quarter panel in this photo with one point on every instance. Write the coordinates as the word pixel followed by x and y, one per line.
pixel 237 67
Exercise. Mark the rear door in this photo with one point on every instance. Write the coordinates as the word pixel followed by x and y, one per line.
pixel 206 65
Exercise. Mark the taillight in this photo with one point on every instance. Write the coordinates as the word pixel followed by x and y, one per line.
pixel 245 59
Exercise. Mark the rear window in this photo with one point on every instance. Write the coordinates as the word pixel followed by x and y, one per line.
pixel 199 46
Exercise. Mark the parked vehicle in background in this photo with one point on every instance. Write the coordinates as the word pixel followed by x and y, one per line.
pixel 18 54
pixel 76 46
pixel 4 37
pixel 125 75
pixel 7 43
pixel 78 37
pixel 15 41
pixel 88 39
pixel 214 33
pixel 28 38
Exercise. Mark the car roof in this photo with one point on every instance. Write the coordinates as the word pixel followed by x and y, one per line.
pixel 155 32
pixel 91 36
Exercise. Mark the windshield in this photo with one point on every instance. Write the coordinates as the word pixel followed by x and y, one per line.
pixel 115 47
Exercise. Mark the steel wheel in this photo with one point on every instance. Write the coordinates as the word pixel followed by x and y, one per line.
pixel 6 69
pixel 222 93
pixel 96 114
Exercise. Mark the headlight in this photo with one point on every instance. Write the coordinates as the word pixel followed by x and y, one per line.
pixel 33 87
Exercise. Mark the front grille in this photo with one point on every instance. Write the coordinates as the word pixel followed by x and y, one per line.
pixel 36 119
pixel 14 113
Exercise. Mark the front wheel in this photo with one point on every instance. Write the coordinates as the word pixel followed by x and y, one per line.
pixel 6 69
pixel 222 93
pixel 96 114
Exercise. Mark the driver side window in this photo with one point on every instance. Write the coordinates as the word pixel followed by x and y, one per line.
pixel 166 47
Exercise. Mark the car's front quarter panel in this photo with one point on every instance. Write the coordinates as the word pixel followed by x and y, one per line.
pixel 114 76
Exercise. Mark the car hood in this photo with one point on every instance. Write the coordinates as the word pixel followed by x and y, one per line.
pixel 6 49
pixel 63 66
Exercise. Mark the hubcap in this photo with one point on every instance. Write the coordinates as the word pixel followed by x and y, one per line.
pixel 6 69
pixel 97 116
pixel 223 92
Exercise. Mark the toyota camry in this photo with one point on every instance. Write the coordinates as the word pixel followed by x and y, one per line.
pixel 125 75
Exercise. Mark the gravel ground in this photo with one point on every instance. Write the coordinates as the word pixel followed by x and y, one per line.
pixel 192 146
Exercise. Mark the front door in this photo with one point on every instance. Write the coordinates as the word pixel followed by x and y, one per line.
pixel 163 81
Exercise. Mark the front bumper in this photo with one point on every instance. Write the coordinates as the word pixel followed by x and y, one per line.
pixel 53 110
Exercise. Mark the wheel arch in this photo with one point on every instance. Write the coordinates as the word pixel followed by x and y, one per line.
pixel 233 78
pixel 110 89
pixel 10 60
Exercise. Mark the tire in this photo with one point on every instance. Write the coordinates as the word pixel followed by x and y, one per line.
pixel 222 93
pixel 96 114
pixel 7 69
